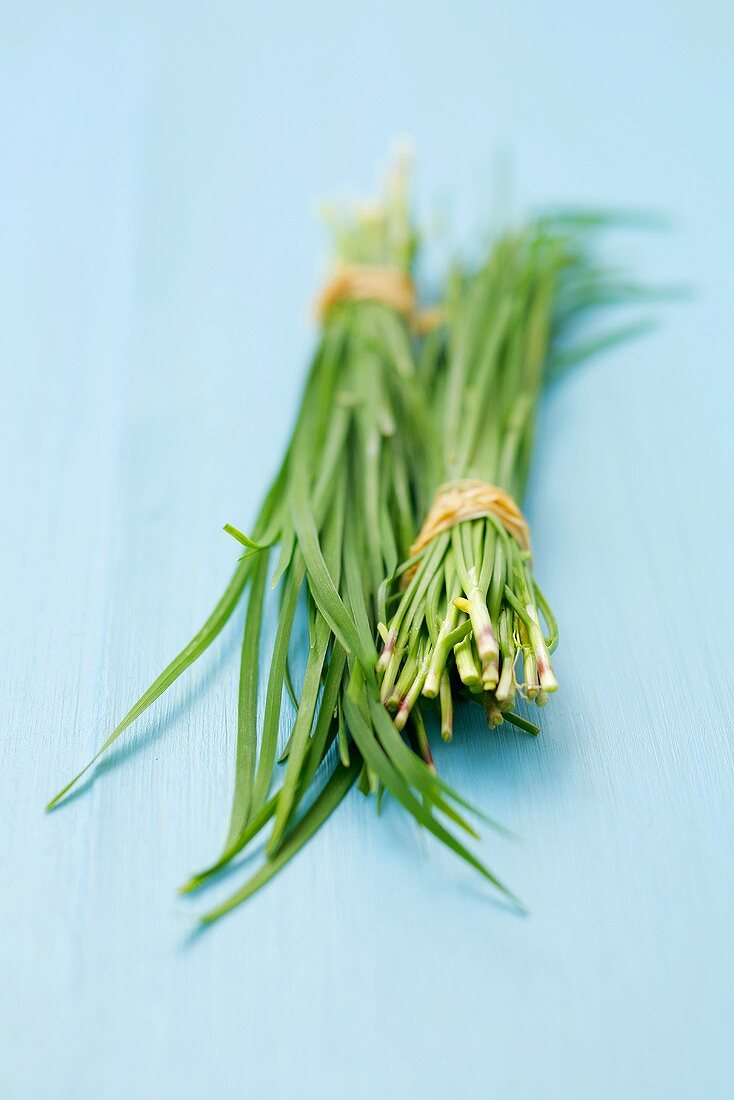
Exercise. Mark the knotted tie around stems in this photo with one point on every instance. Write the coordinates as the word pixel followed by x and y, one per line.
pixel 389 285
pixel 363 282
pixel 471 498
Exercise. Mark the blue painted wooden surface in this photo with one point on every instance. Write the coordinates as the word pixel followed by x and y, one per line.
pixel 158 251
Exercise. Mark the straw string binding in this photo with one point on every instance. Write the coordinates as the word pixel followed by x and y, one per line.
pixel 389 285
pixel 471 498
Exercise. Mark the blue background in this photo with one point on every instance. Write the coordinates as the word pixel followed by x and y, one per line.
pixel 159 250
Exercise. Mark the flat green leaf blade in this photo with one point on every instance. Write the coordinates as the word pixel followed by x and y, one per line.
pixel 201 641
pixel 243 539
pixel 276 680
pixel 330 797
pixel 319 745
pixel 247 704
pixel 301 730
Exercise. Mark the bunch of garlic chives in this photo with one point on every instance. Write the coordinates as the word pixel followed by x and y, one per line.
pixel 472 619
pixel 335 523
pixel 342 511
pixel 347 469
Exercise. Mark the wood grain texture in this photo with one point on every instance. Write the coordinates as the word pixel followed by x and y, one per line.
pixel 158 250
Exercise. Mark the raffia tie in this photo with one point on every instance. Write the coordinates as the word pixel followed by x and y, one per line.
pixel 370 283
pixel 363 282
pixel 470 498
